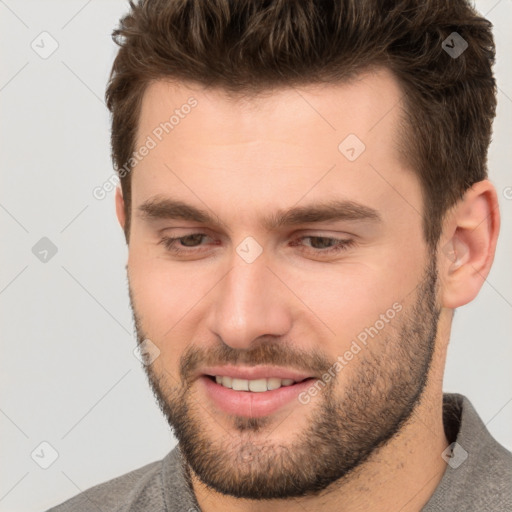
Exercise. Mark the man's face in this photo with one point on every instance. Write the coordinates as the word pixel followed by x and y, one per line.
pixel 359 322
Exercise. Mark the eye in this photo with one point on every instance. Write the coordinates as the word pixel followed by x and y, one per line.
pixel 189 241
pixel 327 245
pixel 319 245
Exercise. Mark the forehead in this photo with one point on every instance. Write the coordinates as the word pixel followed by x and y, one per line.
pixel 369 105
pixel 278 147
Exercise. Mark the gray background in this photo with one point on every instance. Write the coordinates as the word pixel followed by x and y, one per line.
pixel 68 373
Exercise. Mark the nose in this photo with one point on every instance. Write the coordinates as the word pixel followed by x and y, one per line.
pixel 251 301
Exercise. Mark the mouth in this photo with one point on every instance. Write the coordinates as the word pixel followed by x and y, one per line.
pixel 254 397
pixel 254 385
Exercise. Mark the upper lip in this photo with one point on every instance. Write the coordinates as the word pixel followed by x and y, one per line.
pixel 255 372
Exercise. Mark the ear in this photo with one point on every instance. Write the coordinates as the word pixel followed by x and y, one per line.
pixel 120 207
pixel 468 244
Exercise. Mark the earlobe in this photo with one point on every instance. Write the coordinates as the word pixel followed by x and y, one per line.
pixel 120 207
pixel 469 244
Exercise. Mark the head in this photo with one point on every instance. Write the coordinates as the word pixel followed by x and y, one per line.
pixel 267 125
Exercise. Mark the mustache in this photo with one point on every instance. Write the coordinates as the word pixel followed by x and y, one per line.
pixel 265 353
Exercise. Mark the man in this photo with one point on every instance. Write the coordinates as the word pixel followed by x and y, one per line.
pixel 305 199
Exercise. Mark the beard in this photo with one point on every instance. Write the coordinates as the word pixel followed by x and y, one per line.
pixel 376 400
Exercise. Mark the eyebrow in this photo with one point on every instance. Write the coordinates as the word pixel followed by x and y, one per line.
pixel 333 210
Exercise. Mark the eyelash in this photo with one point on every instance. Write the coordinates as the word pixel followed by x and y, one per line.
pixel 340 244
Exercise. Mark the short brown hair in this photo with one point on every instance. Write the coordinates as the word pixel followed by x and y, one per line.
pixel 249 46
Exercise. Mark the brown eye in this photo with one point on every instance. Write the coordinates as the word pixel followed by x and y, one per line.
pixel 175 244
pixel 325 245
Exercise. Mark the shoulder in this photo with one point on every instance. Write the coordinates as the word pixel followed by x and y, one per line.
pixel 478 475
pixel 160 485
pixel 119 493
pixel 489 484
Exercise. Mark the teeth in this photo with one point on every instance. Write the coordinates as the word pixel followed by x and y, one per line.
pixel 256 385
pixel 240 384
pixel 273 383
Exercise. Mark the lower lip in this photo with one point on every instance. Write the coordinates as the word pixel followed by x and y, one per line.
pixel 252 404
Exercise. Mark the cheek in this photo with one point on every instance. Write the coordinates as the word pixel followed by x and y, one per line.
pixel 167 297
pixel 163 288
pixel 351 298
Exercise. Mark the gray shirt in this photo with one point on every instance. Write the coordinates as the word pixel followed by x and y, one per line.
pixel 478 476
